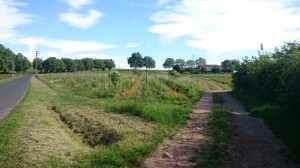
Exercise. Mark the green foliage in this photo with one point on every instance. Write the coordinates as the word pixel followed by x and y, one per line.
pixel 180 63
pixel 115 77
pixel 177 68
pixel 109 63
pixel 148 62
pixel 169 63
pixel 99 64
pixel 216 70
pixel 203 70
pixel 136 60
pixel 39 63
pixel 189 64
pixel 200 61
pixel 174 73
pixel 230 65
pixel 273 76
pixel 88 63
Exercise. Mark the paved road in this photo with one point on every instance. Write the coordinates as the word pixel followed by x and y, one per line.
pixel 11 93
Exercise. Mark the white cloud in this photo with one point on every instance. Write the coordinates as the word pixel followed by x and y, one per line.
pixel 81 20
pixel 78 3
pixel 11 17
pixel 132 45
pixel 236 25
pixel 163 2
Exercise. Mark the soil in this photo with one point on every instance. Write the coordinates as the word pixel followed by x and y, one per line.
pixel 254 146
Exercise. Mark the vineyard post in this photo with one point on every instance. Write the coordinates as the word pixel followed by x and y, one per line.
pixel 160 86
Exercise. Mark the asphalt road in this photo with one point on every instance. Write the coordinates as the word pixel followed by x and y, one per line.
pixel 11 93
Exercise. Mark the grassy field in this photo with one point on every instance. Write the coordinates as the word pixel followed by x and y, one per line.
pixel 84 120
pixel 222 80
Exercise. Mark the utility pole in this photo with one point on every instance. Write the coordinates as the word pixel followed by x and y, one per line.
pixel 36 56
pixel 13 66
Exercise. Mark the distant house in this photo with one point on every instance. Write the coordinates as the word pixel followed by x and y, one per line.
pixel 209 67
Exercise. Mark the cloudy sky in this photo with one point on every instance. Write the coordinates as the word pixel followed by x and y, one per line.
pixel 213 29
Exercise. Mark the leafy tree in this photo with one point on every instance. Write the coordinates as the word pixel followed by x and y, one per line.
pixel 169 63
pixel 79 65
pixel 39 64
pixel 99 64
pixel 230 65
pixel 180 62
pixel 109 63
pixel 200 61
pixel 177 68
pixel 148 62
pixel 135 61
pixel 216 70
pixel 52 65
pixel 21 63
pixel 88 63
pixel 203 70
pixel 61 66
pixel 189 63
pixel 71 65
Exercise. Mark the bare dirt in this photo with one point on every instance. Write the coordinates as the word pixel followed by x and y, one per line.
pixel 254 146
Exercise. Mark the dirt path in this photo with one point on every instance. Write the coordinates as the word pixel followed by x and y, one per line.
pixel 255 145
pixel 176 152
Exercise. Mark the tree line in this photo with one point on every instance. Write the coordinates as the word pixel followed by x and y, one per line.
pixel 274 77
pixel 54 65
pixel 10 61
pixel 137 61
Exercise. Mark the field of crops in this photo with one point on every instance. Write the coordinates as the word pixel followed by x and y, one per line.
pixel 94 120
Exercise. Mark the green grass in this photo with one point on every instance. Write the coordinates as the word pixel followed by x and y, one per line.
pixel 217 99
pixel 222 80
pixel 283 124
pixel 63 124
pixel 213 152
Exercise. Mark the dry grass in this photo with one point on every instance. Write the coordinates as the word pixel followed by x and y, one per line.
pixel 43 136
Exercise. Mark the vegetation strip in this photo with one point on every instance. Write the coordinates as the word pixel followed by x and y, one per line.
pixel 213 152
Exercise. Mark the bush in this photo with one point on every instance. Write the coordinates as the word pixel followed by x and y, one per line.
pixel 115 77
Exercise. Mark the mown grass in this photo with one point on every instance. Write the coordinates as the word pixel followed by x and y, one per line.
pixel 283 124
pixel 221 132
pixel 58 126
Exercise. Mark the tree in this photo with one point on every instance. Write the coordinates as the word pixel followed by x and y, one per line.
pixel 169 63
pixel 39 64
pixel 180 62
pixel 99 64
pixel 52 65
pixel 200 61
pixel 216 70
pixel 70 64
pixel 79 64
pixel 148 62
pixel 189 63
pixel 109 63
pixel 177 68
pixel 61 66
pixel 230 65
pixel 135 61
pixel 21 63
pixel 88 63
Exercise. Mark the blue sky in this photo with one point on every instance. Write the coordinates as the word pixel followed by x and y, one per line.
pixel 215 30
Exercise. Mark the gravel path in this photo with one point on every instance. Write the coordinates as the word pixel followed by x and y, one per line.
pixel 175 152
pixel 11 93
pixel 255 145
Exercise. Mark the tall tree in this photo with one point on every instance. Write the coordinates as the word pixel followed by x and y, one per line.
pixel 200 61
pixel 169 63
pixel 135 61
pixel 70 64
pixel 21 63
pixel 109 63
pixel 189 63
pixel 148 62
pixel 99 64
pixel 88 63
pixel 180 62
pixel 79 64
pixel 230 65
